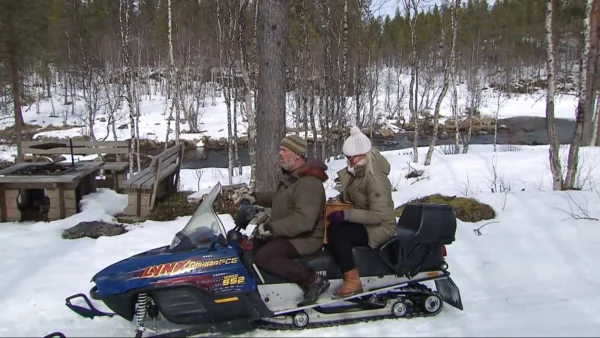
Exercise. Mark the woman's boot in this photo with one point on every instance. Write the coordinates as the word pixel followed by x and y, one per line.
pixel 352 285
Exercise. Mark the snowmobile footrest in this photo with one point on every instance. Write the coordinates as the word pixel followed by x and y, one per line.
pixel 232 327
pixel 89 312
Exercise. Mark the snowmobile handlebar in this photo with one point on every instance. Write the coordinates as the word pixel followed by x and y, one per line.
pixel 245 214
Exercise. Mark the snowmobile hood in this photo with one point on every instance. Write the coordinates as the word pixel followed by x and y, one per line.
pixel 128 265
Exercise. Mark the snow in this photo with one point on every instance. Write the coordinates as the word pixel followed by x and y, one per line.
pixel 531 273
pixel 155 108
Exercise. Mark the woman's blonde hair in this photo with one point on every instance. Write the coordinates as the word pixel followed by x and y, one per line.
pixel 370 169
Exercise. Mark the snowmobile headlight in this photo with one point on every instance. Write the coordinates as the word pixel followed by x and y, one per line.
pixel 175 242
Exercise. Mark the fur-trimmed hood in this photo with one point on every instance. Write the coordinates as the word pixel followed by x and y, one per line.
pixel 315 168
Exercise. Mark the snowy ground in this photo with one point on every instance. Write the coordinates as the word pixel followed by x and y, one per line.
pixel 530 274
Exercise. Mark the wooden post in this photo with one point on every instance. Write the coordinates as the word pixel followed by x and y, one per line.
pixel 155 184
pixel 61 201
pixel 3 203
pixel 179 160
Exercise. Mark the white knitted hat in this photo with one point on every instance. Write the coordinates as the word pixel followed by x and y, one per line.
pixel 357 143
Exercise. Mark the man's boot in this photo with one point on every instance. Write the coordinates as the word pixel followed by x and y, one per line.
pixel 352 285
pixel 315 289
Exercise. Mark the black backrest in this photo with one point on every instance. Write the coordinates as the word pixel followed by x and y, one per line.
pixel 409 222
pixel 428 223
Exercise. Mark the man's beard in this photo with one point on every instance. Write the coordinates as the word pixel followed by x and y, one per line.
pixel 286 165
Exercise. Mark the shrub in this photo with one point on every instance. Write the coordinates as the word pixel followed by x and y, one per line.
pixel 466 209
pixel 177 205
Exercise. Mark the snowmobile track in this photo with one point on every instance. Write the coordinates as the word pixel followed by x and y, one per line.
pixel 413 293
pixel 409 292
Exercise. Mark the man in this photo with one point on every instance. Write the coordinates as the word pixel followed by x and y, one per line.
pixel 296 226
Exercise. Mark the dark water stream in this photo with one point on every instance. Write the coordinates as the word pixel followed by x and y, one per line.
pixel 521 130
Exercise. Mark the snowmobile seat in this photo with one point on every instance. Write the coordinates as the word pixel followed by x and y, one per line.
pixel 369 263
pixel 421 232
pixel 322 262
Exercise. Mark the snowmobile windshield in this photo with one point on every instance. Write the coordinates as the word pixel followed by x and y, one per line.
pixel 203 228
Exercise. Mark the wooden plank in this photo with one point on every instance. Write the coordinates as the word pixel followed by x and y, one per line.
pixel 91 178
pixel 161 176
pixel 137 176
pixel 14 168
pixel 28 185
pixel 139 182
pixel 155 183
pixel 173 150
pixel 115 166
pixel 76 151
pixel 81 170
pixel 38 179
pixel 79 143
pixel 171 159
pixel 165 155
pixel 176 180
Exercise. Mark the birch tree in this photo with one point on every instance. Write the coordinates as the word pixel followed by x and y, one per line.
pixel 129 87
pixel 225 64
pixel 247 85
pixel 554 156
pixel 173 78
pixel 573 159
pixel 449 70
pixel 410 6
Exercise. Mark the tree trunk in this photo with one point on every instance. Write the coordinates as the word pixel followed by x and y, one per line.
pixel 413 86
pixel 344 70
pixel 593 76
pixel 554 156
pixel 16 94
pixel 129 97
pixel 573 159
pixel 270 103
pixel 247 85
pixel 596 120
pixel 448 71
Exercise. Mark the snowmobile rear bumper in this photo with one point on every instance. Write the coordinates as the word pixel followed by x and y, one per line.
pixel 449 292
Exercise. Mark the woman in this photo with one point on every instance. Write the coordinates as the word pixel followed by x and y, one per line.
pixel 371 220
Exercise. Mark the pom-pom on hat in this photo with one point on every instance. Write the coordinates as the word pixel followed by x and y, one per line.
pixel 357 143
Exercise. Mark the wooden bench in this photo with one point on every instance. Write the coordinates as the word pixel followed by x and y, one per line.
pixel 115 173
pixel 158 180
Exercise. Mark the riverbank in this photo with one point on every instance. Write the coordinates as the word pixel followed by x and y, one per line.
pixel 522 130
pixel 212 152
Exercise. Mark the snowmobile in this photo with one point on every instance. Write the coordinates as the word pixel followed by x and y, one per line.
pixel 206 282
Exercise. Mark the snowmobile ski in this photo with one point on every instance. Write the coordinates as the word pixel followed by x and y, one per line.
pixel 90 312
